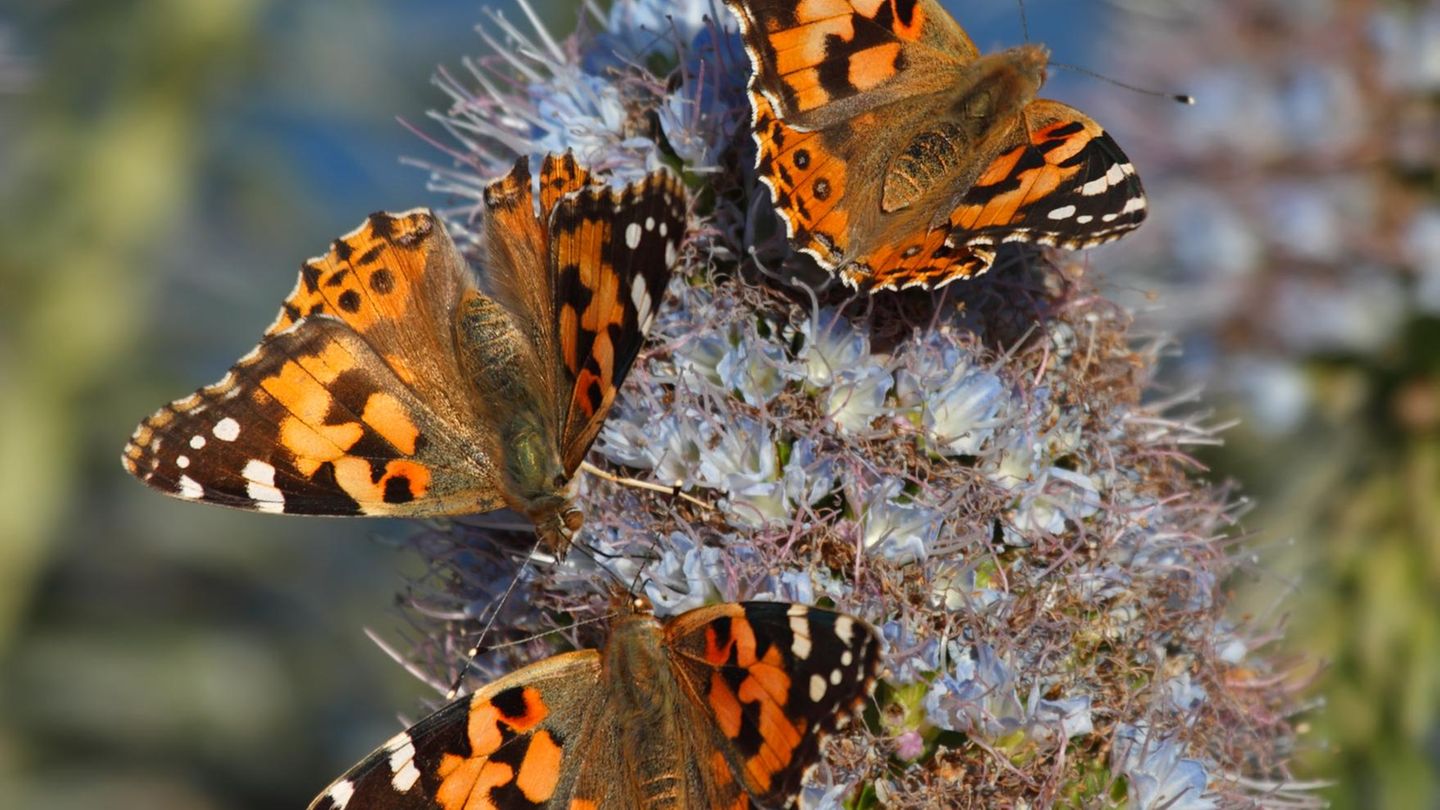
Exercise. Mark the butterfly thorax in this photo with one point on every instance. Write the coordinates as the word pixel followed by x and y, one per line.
pixel 947 156
pixel 646 701
pixel 496 359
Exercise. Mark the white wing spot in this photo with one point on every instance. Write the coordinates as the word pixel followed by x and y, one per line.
pixel 846 658
pixel 845 629
pixel 1109 217
pixel 640 297
pixel 649 223
pixel 197 442
pixel 1096 186
pixel 260 486
pixel 670 253
pixel 664 229
pixel 1063 212
pixel 800 628
pixel 190 488
pixel 836 676
pixel 632 235
pixel 183 462
pixel 1134 204
pixel 1085 219
pixel 226 430
pixel 817 688
pixel 340 794
pixel 403 772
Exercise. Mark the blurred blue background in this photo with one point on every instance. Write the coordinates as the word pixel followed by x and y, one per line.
pixel 164 167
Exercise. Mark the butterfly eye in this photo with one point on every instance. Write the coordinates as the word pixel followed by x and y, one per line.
pixel 980 105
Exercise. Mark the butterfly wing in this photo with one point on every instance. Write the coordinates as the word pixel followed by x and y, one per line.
pixel 1060 180
pixel 837 90
pixel 875 120
pixel 508 746
pixel 517 249
pixel 342 409
pixel 611 257
pixel 821 62
pixel 771 680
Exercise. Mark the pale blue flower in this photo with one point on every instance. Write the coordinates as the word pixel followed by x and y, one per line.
pixel 809 475
pixel 897 529
pixel 1158 776
pixel 858 396
pixel 1058 496
pixel 1053 721
pixel 686 577
pixel 670 445
pixel 953 587
pixel 1184 694
pixel 976 695
pixel 912 660
pixel 744 454
pixel 757 371
pixel 961 414
pixel 831 343
pixel 1422 244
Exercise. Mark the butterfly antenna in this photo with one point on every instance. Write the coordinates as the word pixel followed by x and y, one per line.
pixel 1182 98
pixel 1024 20
pixel 489 622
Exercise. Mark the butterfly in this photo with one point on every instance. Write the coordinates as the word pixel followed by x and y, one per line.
pixel 898 156
pixel 722 707
pixel 391 383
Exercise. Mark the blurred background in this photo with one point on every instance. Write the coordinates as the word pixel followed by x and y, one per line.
pixel 166 164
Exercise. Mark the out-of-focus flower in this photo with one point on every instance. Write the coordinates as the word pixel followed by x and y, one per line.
pixel 1158 776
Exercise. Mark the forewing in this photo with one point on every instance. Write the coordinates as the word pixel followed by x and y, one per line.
pixel 1062 181
pixel 343 408
pixel 506 747
pixel 611 256
pixel 771 680
pixel 395 281
pixel 822 61
pixel 517 250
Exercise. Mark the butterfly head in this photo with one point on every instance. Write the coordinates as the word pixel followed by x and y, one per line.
pixel 998 86
pixel 557 520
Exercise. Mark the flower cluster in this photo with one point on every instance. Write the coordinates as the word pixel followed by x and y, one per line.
pixel 975 473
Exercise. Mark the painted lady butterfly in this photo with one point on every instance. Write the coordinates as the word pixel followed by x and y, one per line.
pixel 391 384
pixel 722 707
pixel 898 156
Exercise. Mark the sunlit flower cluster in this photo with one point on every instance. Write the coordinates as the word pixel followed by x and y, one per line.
pixel 976 475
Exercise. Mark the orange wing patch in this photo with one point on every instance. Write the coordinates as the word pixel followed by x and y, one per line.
pixel 806 182
pixel 364 279
pixel 510 717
